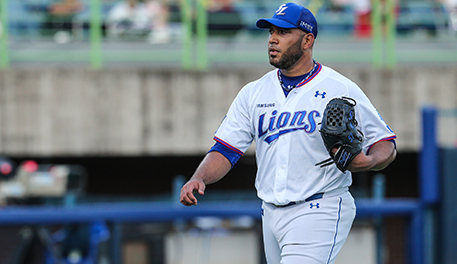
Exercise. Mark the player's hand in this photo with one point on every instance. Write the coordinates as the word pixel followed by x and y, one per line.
pixel 187 191
pixel 381 155
pixel 361 162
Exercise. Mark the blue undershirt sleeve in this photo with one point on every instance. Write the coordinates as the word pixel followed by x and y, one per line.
pixel 231 155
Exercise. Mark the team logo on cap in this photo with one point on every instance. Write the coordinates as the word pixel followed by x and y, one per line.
pixel 281 10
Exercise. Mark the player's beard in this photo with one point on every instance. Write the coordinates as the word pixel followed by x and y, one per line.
pixel 290 56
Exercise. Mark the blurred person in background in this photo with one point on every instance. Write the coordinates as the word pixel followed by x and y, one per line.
pixel 59 20
pixel 160 13
pixel 135 18
pixel 362 9
pixel 221 6
pixel 451 8
pixel 66 7
pixel 223 18
pixel 362 13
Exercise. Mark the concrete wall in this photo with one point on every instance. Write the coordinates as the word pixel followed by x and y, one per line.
pixel 241 247
pixel 136 111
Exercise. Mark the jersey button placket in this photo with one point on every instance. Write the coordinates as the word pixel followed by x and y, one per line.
pixel 281 168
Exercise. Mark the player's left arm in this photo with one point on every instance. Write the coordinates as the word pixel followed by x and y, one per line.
pixel 379 145
pixel 380 156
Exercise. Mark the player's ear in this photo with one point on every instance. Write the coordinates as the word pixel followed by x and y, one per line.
pixel 307 41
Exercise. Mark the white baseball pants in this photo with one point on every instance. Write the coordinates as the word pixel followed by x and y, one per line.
pixel 310 232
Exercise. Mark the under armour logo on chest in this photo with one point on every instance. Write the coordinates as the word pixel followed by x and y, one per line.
pixel 320 94
pixel 313 205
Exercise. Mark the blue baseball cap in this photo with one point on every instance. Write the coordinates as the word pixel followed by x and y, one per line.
pixel 291 15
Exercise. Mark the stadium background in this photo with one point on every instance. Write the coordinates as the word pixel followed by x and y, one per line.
pixel 135 110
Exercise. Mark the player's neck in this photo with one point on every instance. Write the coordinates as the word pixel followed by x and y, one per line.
pixel 300 68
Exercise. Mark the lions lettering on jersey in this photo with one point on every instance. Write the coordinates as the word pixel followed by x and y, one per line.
pixel 286 122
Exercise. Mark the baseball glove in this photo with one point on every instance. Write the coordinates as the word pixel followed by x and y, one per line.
pixel 339 130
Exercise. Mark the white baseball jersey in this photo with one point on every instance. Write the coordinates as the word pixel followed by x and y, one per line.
pixel 286 132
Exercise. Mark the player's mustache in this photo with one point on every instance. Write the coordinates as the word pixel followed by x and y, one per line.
pixel 272 48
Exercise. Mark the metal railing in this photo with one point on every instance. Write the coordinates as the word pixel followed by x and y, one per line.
pixel 197 47
pixel 4 59
pixel 380 26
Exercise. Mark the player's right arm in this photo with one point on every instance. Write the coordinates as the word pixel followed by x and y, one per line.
pixel 213 168
pixel 233 138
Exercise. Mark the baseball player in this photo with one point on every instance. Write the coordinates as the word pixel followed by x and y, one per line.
pixel 307 210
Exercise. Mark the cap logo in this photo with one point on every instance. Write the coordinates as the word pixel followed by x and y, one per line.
pixel 281 10
pixel 307 26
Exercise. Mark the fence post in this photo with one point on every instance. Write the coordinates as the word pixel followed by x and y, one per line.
pixel 390 34
pixel 416 232
pixel 376 22
pixel 379 193
pixel 429 180
pixel 383 29
pixel 4 51
pixel 95 35
pixel 186 18
pixel 202 34
pixel 429 177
